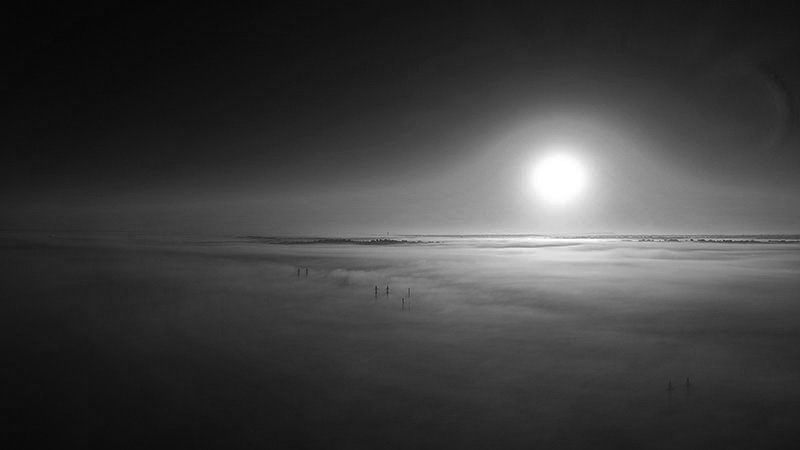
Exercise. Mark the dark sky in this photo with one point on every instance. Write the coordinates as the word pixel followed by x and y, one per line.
pixel 358 118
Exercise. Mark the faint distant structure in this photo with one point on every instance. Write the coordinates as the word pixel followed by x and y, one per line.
pixel 376 292
pixel 387 291
pixel 306 271
pixel 403 304
pixel 687 387
pixel 409 292
pixel 298 271
pixel 670 388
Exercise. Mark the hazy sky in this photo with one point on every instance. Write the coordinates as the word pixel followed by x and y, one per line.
pixel 408 119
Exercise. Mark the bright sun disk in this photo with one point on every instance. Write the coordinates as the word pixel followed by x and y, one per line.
pixel 559 179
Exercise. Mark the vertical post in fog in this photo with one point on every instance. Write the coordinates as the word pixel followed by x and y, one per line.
pixel 376 292
pixel 387 291
pixel 409 292
pixel 298 271
pixel 403 304
pixel 669 394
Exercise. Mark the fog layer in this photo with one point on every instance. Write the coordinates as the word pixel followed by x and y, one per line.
pixel 129 341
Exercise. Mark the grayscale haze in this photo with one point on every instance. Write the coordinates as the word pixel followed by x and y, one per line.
pixel 389 225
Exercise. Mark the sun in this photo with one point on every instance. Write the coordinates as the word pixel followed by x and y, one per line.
pixel 559 178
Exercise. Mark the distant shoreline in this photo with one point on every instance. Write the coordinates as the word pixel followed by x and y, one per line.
pixel 392 240
pixel 734 239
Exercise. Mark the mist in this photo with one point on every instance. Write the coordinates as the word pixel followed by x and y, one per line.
pixel 132 340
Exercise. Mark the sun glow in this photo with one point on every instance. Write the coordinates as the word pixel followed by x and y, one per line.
pixel 559 179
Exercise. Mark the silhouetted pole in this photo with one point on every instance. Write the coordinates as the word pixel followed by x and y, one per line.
pixel 387 291
pixel 306 271
pixel 403 307
pixel 669 394
pixel 409 292
pixel 376 292
pixel 298 271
